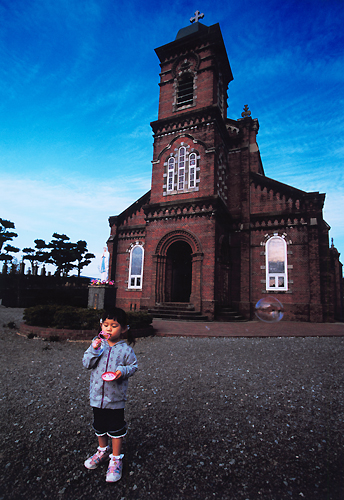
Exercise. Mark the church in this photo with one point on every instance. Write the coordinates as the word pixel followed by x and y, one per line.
pixel 214 235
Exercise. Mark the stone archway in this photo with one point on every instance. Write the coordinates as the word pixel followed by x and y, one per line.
pixel 178 264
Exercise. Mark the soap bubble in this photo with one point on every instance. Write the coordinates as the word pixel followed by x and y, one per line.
pixel 269 309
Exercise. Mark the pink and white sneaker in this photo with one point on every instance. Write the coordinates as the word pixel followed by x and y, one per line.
pixel 101 456
pixel 114 472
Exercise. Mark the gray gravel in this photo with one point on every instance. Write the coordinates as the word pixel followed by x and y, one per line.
pixel 224 418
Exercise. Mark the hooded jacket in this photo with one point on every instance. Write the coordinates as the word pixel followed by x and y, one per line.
pixel 109 395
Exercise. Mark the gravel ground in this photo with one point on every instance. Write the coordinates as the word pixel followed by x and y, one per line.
pixel 223 418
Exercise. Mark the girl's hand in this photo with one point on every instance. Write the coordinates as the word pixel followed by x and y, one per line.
pixel 96 343
pixel 118 374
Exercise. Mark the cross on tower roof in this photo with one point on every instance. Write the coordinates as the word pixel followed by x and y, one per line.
pixel 198 16
pixel 246 113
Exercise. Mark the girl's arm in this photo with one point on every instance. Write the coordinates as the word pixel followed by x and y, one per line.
pixel 129 365
pixel 92 355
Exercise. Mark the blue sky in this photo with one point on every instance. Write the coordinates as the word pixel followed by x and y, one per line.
pixel 79 87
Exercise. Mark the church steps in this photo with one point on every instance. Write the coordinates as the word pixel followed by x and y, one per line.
pixel 227 314
pixel 177 311
pixel 186 311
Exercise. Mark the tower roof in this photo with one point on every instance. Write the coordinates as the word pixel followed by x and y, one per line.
pixel 197 33
pixel 190 30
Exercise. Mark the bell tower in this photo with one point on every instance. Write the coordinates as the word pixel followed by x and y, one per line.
pixel 194 78
pixel 189 189
pixel 195 71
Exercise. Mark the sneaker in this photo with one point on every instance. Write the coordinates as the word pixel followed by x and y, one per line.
pixel 114 472
pixel 97 458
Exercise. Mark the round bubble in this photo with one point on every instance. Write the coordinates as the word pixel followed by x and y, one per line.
pixel 269 309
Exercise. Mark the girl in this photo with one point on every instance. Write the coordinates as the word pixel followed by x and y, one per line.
pixel 112 362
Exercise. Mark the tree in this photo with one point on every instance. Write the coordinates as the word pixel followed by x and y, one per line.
pixel 40 246
pixel 7 235
pixel 62 253
pixel 82 256
pixel 34 256
pixel 6 256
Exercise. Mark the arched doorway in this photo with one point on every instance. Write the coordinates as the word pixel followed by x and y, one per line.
pixel 178 272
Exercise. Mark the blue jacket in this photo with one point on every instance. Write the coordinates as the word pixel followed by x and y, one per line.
pixel 121 356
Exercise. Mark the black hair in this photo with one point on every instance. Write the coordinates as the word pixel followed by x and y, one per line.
pixel 117 314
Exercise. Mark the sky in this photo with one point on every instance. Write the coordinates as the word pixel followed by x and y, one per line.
pixel 79 88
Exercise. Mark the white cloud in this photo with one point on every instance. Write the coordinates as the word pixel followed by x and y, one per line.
pixel 79 208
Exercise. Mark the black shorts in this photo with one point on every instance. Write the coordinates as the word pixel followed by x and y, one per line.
pixel 110 422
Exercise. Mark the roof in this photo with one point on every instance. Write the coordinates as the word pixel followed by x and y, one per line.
pixel 190 30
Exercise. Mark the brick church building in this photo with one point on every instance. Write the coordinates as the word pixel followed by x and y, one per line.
pixel 214 232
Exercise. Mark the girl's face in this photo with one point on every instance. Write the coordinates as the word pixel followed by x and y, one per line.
pixel 112 330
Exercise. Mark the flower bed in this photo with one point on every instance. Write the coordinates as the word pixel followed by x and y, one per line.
pixel 98 282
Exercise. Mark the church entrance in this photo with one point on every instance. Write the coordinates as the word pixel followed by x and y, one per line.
pixel 178 272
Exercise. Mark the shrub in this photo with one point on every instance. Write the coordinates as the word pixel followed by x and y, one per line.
pixel 77 318
pixel 39 315
pixel 57 316
pixel 71 317
pixel 139 319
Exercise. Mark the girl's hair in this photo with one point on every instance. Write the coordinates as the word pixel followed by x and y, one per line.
pixel 117 314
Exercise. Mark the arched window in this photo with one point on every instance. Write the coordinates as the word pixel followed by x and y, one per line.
pixel 181 171
pixel 185 91
pixel 276 264
pixel 136 267
pixel 170 174
pixel 181 168
pixel 192 170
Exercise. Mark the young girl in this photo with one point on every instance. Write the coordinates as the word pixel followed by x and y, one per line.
pixel 111 361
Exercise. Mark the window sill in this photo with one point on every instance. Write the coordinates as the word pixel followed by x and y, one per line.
pixel 181 191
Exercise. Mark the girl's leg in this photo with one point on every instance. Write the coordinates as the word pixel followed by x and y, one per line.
pixel 116 446
pixel 103 441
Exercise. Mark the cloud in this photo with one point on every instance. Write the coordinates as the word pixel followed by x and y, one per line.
pixel 74 206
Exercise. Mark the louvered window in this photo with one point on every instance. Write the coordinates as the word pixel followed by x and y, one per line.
pixel 185 91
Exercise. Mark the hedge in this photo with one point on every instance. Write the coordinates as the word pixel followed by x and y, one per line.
pixel 77 318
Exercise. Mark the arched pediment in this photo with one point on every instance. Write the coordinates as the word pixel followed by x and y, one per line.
pixel 178 138
pixel 186 63
pixel 178 235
